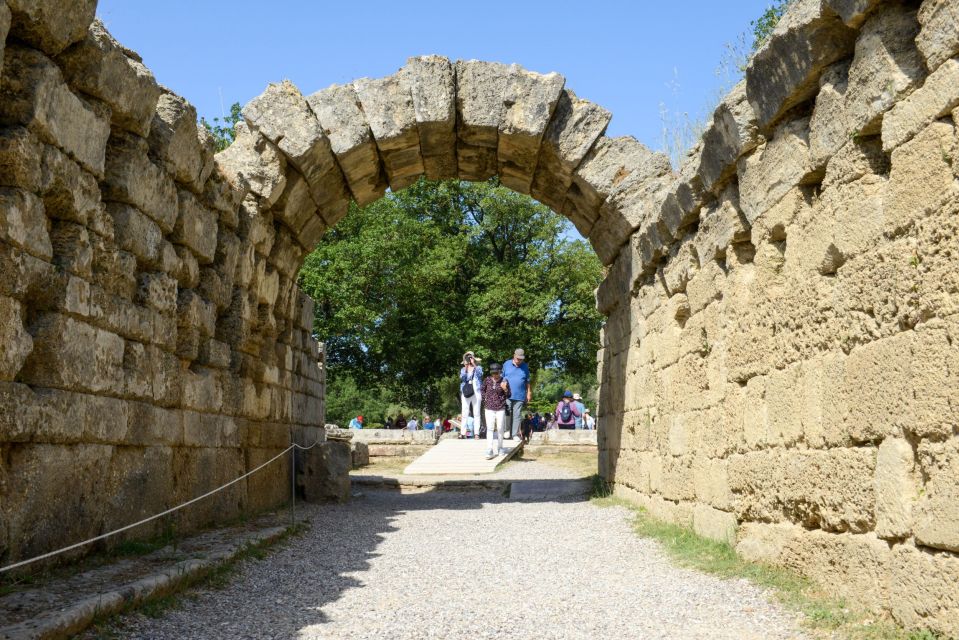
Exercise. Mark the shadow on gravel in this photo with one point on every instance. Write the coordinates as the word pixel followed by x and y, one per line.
pixel 344 538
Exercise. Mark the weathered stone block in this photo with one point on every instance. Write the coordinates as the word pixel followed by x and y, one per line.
pixel 136 233
pixel 921 179
pixel 934 99
pixel 72 249
pixel 886 67
pixel 731 133
pixel 829 129
pixel 17 343
pixel 101 67
pixel 529 102
pixel 896 490
pixel 388 105
pixel 34 94
pixel 68 192
pixel 131 177
pixel 20 155
pixel 175 140
pixel 633 206
pixel 714 524
pixel 937 513
pixel 926 590
pixel 575 125
pixel 785 70
pixel 4 29
pixel 338 110
pixel 432 84
pixel 938 40
pixel 282 115
pixel 774 168
pixel 853 12
pixel 766 543
pixel 69 354
pixel 254 161
pixel 196 227
pixel 720 225
pixel 480 88
pixel 48 24
pixel 23 223
pixel 157 291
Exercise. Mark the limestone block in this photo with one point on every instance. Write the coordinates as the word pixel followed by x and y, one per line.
pixel 633 207
pixel 721 224
pixel 254 160
pixel 17 342
pixel 388 105
pixel 896 490
pixel 921 179
pixel 34 94
pixel 926 590
pixel 175 140
pixel 432 84
pixel 201 390
pixel 937 513
pixel 886 66
pixel 828 126
pixel 73 355
pixel 72 249
pixel 853 12
pixel 731 132
pixel 682 265
pixel 480 89
pixel 324 472
pixel 575 125
pixel 23 222
pixel 157 291
pixel 282 115
pixel 194 311
pixel 711 482
pixel 20 154
pixel 295 206
pixel 858 157
pixel 338 111
pixel 224 195
pixel 68 192
pixel 136 233
pixel 938 40
pixel 48 24
pixel 785 70
pixel 196 227
pixel 132 178
pixel 832 490
pixel 714 524
pixel 529 102
pixel 102 67
pixel 934 372
pixel 765 543
pixel 854 567
pixel 774 168
pixel 603 170
pixel 934 99
pixel 4 28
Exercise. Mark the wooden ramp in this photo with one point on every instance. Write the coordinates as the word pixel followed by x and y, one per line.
pixel 460 457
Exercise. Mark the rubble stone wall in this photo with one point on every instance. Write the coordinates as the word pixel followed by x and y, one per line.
pixel 780 363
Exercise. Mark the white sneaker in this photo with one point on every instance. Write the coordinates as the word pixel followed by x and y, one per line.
pixel 490 455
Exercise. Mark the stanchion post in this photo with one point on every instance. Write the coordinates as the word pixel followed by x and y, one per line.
pixel 292 481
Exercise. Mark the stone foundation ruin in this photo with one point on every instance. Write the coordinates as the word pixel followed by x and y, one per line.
pixel 779 367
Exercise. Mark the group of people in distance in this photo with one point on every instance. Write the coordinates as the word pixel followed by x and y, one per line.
pixel 502 395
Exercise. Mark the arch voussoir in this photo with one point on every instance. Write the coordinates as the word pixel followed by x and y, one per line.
pixel 480 87
pixel 432 84
pixel 388 105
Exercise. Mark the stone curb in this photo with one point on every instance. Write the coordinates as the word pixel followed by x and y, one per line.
pixel 78 615
pixel 395 482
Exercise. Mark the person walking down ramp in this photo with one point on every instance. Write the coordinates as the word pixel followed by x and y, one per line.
pixel 471 378
pixel 495 394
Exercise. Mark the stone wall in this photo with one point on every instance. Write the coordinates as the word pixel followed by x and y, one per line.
pixel 152 342
pixel 780 364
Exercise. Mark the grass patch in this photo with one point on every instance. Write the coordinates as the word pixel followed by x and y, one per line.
pixel 384 465
pixel 216 577
pixel 824 616
pixel 579 462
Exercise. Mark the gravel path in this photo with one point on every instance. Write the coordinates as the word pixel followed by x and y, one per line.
pixel 470 565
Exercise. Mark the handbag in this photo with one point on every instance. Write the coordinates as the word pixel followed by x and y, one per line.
pixel 469 390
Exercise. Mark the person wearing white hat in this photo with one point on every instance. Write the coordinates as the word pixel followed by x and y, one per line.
pixel 471 378
pixel 578 399
pixel 589 420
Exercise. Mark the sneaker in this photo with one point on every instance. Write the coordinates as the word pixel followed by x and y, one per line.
pixel 490 455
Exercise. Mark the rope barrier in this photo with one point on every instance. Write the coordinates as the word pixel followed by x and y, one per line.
pixel 103 536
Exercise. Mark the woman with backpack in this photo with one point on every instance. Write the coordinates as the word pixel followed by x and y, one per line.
pixel 471 377
pixel 567 412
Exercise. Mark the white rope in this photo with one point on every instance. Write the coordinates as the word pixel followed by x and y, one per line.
pixel 159 515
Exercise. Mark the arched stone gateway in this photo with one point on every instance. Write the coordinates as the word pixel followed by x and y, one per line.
pixel 780 359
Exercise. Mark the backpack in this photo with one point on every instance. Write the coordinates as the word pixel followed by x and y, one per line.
pixel 469 390
pixel 565 412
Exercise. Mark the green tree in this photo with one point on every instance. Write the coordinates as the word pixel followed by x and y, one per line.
pixel 222 128
pixel 407 284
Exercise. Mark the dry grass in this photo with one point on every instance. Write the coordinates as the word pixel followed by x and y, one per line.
pixel 580 462
pixel 384 465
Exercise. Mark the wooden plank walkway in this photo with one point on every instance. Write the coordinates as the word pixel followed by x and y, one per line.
pixel 459 457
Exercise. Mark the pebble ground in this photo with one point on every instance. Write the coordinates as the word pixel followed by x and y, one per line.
pixel 469 564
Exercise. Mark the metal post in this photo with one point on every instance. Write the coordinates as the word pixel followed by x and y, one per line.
pixel 292 483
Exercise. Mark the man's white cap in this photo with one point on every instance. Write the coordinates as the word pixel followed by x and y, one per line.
pixel 576 396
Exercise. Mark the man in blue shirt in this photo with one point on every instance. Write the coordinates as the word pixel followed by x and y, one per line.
pixel 582 407
pixel 516 373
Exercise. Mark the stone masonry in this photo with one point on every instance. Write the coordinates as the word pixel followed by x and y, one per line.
pixel 780 362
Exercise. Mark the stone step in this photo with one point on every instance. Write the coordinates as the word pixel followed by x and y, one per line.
pixel 457 457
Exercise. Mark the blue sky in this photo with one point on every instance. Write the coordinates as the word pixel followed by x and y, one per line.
pixel 629 56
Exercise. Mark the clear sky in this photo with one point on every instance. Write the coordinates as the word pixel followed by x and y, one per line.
pixel 629 56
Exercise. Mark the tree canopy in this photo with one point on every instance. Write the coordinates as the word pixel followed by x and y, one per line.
pixel 404 286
